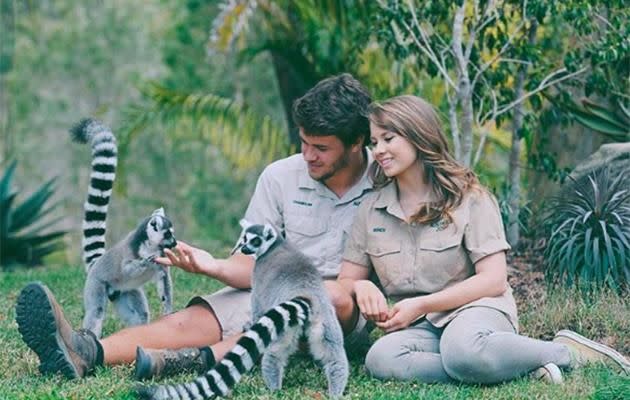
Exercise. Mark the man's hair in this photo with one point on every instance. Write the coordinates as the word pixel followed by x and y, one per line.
pixel 336 106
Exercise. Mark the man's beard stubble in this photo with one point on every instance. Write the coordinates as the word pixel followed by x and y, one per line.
pixel 342 162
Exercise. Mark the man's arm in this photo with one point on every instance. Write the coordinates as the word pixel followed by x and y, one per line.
pixel 235 271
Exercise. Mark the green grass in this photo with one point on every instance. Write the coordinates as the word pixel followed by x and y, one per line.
pixel 605 318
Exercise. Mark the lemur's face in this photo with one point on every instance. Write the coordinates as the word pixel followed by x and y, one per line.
pixel 256 239
pixel 160 231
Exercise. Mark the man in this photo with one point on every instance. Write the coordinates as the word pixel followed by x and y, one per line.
pixel 311 198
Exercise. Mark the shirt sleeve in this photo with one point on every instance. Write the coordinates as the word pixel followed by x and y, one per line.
pixel 356 244
pixel 265 205
pixel 484 235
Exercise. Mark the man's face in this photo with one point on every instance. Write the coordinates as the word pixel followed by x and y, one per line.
pixel 324 155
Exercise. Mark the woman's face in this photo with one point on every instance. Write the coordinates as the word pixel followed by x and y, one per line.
pixel 393 152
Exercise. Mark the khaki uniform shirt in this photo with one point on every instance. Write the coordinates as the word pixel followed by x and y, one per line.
pixel 418 259
pixel 308 214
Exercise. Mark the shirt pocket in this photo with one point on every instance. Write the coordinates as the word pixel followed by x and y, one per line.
pixel 442 261
pixel 303 231
pixel 387 261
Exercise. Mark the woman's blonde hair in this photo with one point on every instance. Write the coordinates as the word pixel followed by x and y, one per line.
pixel 417 121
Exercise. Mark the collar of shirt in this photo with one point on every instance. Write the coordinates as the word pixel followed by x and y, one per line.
pixel 388 199
pixel 358 189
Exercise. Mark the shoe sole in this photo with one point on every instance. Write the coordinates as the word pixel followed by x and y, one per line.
pixel 36 321
pixel 603 349
pixel 550 373
pixel 143 365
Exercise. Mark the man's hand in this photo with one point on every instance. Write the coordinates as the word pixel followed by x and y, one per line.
pixel 370 300
pixel 190 259
pixel 402 314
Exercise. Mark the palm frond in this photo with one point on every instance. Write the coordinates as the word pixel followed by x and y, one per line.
pixel 246 139
pixel 230 24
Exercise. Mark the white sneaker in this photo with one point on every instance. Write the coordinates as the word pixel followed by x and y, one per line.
pixel 550 373
pixel 584 350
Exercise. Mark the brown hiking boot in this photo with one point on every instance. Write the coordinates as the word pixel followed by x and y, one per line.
pixel 584 351
pixel 162 363
pixel 47 332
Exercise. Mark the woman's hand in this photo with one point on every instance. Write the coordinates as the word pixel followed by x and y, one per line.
pixel 370 300
pixel 402 314
pixel 190 259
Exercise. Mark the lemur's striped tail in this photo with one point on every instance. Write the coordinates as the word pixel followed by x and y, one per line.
pixel 104 160
pixel 241 359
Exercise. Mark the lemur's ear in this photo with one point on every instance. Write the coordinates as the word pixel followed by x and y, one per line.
pixel 244 223
pixel 159 211
pixel 269 232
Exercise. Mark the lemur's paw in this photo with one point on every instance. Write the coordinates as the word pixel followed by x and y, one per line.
pixel 150 259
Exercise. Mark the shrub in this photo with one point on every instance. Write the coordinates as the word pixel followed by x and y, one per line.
pixel 589 233
pixel 524 215
pixel 23 236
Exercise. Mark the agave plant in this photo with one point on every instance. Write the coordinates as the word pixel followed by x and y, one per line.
pixel 589 243
pixel 25 237
pixel 611 121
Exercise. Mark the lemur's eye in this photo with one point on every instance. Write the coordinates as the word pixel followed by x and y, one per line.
pixel 256 241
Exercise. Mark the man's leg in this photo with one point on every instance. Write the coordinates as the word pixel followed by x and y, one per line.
pixel 194 326
pixel 224 314
pixel 61 349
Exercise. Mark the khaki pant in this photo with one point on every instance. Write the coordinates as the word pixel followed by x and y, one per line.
pixel 478 346
pixel 232 308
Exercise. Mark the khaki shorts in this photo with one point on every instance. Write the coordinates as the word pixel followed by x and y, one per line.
pixel 232 308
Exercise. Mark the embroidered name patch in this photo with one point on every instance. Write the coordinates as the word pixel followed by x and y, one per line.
pixel 303 203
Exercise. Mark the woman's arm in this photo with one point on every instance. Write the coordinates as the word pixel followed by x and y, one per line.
pixel 489 281
pixel 370 300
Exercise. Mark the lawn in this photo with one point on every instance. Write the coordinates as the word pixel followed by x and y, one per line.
pixel 605 318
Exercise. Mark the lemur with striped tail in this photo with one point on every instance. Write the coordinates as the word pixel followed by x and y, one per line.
pixel 289 302
pixel 119 273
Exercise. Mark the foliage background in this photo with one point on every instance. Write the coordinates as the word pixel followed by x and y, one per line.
pixel 63 60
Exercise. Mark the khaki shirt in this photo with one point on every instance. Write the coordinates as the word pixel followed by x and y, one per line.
pixel 418 259
pixel 307 213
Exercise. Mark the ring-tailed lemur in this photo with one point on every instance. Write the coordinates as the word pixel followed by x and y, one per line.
pixel 119 273
pixel 289 301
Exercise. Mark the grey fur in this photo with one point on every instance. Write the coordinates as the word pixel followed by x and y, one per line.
pixel 289 301
pixel 119 273
pixel 282 272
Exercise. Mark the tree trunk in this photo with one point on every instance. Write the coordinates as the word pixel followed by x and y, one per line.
pixel 467 124
pixel 514 173
pixel 292 85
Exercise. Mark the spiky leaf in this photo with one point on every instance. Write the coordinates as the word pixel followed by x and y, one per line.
pixel 589 233
pixel 24 233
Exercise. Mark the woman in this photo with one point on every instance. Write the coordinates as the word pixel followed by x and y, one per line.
pixel 434 237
